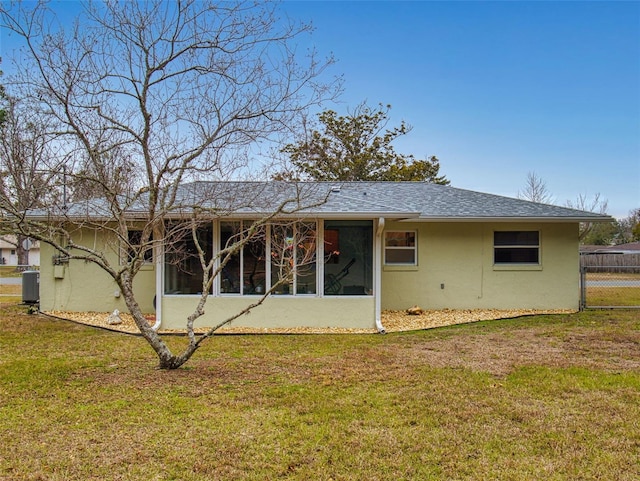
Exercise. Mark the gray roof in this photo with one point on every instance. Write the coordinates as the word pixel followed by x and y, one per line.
pixel 439 202
pixel 399 200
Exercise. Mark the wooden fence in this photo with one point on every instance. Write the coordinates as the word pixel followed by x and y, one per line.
pixel 610 262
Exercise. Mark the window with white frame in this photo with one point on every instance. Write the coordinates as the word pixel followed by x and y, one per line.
pixel 400 248
pixel 244 270
pixel 348 257
pixel 183 274
pixel 516 247
pixel 293 257
pixel 291 248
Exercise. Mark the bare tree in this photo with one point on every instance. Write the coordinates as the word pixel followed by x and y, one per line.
pixel 594 204
pixel 535 190
pixel 30 169
pixel 174 92
pixel 3 111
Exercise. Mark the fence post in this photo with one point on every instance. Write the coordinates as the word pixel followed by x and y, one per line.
pixel 583 287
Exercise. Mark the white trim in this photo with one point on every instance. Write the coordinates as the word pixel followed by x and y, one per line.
pixel 320 258
pixel 515 219
pixel 158 259
pixel 413 248
pixel 378 246
pixel 268 268
pixel 215 248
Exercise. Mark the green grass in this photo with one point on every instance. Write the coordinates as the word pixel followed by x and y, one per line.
pixel 10 271
pixel 613 296
pixel 10 290
pixel 546 397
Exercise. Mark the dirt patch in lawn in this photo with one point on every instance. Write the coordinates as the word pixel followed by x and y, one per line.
pixel 501 352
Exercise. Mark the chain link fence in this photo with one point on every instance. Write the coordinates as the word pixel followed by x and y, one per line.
pixel 11 281
pixel 610 286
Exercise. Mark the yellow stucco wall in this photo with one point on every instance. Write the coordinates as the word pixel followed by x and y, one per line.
pixel 459 257
pixel 346 311
pixel 82 286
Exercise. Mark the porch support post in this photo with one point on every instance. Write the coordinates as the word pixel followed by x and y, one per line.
pixel 377 287
pixel 158 257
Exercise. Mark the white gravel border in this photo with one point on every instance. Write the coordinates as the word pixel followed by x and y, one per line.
pixel 393 321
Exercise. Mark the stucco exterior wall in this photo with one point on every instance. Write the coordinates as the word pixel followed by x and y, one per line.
pixel 455 269
pixel 347 311
pixel 82 286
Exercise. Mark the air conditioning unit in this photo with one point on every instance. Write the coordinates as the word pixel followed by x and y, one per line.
pixel 30 287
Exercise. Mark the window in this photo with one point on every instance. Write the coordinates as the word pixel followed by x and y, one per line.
pixel 281 251
pixel 135 247
pixel 182 265
pixel 400 248
pixel 293 257
pixel 244 271
pixel 516 247
pixel 348 256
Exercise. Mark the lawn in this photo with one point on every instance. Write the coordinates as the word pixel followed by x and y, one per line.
pixel 10 271
pixel 610 292
pixel 545 397
pixel 603 296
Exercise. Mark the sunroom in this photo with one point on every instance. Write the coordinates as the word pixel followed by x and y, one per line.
pixel 297 262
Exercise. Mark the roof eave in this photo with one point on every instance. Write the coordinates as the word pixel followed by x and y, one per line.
pixel 511 219
pixel 133 216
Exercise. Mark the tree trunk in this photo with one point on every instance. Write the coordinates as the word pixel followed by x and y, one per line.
pixel 22 255
pixel 166 358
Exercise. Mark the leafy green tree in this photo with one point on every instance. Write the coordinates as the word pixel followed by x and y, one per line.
pixel 601 234
pixel 621 231
pixel 630 227
pixel 355 147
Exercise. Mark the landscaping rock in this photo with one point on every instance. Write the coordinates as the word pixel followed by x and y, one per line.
pixel 114 318
pixel 393 321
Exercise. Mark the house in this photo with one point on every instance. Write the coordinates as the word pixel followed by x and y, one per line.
pixel 615 258
pixel 9 252
pixel 370 246
pixel 628 248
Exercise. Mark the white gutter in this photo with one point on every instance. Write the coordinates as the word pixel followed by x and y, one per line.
pixel 378 276
pixel 522 220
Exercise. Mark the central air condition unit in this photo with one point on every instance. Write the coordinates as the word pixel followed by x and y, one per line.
pixel 30 287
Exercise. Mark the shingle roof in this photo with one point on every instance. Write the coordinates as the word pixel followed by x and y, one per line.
pixel 433 201
pixel 401 200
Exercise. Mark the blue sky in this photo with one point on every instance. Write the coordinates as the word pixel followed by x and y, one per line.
pixel 500 89
pixel 495 89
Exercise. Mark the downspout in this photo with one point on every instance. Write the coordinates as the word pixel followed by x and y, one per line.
pixel 158 258
pixel 378 277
